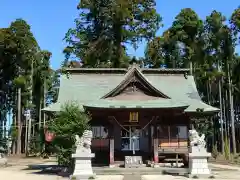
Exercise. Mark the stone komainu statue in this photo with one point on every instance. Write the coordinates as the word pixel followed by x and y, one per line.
pixel 196 140
pixel 83 143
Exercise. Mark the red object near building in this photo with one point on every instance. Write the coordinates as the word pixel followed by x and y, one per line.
pixel 49 136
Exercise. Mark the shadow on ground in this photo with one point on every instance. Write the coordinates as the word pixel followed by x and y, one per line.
pixel 48 170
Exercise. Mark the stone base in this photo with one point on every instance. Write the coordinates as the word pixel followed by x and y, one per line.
pixel 83 155
pixel 203 176
pixel 83 177
pixel 198 164
pixel 83 166
pixel 112 165
pixel 101 177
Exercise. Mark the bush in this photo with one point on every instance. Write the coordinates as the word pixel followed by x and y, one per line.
pixel 3 145
pixel 227 152
pixel 70 121
pixel 37 143
pixel 215 151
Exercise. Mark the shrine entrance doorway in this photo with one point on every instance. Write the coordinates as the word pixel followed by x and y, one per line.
pixel 130 138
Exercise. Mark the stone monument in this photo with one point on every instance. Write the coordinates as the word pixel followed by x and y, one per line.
pixel 83 155
pixel 198 156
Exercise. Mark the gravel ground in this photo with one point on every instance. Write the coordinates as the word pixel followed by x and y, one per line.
pixel 18 169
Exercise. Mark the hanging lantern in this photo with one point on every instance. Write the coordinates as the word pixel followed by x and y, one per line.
pixel 49 136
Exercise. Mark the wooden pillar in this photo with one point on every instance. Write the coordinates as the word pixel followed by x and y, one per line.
pixel 155 144
pixel 111 152
pixel 111 145
pixel 191 122
pixel 155 150
pixel 150 139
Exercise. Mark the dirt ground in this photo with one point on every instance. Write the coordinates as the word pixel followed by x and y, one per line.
pixel 30 169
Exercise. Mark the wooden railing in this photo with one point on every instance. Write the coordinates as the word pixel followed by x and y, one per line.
pixel 173 145
pixel 100 142
pixel 173 142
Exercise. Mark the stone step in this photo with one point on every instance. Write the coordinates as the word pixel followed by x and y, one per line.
pixel 135 171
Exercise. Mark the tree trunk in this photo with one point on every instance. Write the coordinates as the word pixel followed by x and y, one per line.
pixel 221 109
pixel 5 126
pixel 26 134
pixel 232 113
pixel 14 147
pixel 191 67
pixel 30 112
pixel 29 133
pixel 44 103
pixel 40 114
pixel 224 115
pixel 232 123
pixel 19 143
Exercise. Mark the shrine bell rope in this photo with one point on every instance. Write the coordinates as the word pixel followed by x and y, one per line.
pixel 153 118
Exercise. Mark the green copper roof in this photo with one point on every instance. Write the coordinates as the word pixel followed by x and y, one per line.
pixel 57 106
pixel 87 87
pixel 163 103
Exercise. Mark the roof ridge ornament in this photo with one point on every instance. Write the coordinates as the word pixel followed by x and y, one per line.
pixel 134 66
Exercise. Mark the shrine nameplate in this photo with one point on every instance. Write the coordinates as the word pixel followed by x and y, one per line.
pixel 133 161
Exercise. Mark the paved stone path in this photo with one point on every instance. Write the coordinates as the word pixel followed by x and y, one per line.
pixel 132 177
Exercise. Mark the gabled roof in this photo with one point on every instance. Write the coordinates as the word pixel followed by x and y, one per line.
pixel 88 87
pixel 134 72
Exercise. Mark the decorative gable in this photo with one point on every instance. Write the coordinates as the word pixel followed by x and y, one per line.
pixel 135 87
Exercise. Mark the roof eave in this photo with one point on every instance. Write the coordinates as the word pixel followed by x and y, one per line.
pixel 204 112
pixel 136 107
pixel 97 70
pixel 124 70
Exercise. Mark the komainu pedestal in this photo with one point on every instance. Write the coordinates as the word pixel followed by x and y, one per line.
pixel 83 157
pixel 83 166
pixel 198 157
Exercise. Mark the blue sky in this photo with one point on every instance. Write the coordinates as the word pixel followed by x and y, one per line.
pixel 51 19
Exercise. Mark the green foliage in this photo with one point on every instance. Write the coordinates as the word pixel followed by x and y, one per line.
pixel 186 28
pixel 104 27
pixel 207 46
pixel 203 126
pixel 24 65
pixel 37 143
pixel 14 132
pixel 3 145
pixel 19 81
pixel 179 45
pixel 70 121
pixel 235 20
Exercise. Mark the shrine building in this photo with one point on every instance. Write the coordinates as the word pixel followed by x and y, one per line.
pixel 135 111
